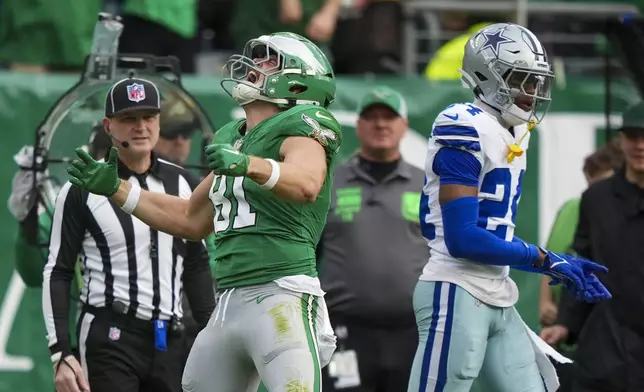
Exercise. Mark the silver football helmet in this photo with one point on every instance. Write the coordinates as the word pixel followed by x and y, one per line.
pixel 507 67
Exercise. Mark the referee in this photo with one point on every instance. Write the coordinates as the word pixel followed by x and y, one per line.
pixel 130 333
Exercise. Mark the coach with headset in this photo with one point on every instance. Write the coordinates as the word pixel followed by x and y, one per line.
pixel 130 331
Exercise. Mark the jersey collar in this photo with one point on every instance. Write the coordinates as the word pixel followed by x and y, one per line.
pixel 492 111
pixel 403 170
pixel 125 172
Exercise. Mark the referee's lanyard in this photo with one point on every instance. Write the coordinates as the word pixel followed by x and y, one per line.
pixel 160 326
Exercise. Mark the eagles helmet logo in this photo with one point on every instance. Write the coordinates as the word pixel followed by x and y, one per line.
pixel 320 134
pixel 238 143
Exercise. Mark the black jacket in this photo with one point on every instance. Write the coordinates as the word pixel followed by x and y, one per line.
pixel 610 334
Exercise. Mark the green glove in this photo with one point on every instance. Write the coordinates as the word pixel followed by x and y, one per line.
pixel 100 178
pixel 226 160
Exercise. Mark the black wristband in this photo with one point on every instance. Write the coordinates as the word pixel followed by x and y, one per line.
pixel 63 361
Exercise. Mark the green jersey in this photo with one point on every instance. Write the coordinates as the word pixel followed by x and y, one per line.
pixel 259 237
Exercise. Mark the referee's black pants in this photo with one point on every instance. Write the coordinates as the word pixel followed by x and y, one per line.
pixel 384 356
pixel 117 354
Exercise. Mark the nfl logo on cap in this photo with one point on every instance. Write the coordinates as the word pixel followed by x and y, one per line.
pixel 136 92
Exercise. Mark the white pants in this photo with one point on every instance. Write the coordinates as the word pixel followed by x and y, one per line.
pixel 261 332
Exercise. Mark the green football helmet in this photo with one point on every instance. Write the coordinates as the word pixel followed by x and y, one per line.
pixel 284 68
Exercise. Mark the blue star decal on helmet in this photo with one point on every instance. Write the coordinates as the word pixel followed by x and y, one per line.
pixel 494 40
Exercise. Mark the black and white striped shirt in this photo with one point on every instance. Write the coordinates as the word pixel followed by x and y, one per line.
pixel 124 260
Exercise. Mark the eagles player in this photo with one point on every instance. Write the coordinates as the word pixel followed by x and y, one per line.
pixel 266 199
pixel 464 301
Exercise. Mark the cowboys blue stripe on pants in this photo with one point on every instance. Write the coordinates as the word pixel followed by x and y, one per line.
pixel 436 350
pixel 462 339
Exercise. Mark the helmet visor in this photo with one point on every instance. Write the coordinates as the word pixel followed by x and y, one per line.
pixel 529 89
pixel 258 61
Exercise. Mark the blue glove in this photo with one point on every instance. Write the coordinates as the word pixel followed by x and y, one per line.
pixel 576 274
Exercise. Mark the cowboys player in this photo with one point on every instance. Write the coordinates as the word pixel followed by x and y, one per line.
pixel 266 199
pixel 464 301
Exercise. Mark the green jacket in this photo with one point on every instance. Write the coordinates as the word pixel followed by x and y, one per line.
pixel 562 233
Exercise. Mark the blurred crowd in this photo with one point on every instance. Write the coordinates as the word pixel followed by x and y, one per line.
pixel 56 36
pixel 359 36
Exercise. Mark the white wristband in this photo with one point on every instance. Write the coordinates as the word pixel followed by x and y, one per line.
pixel 275 176
pixel 132 199
pixel 56 357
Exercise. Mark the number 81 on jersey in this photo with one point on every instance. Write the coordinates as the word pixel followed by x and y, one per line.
pixel 228 198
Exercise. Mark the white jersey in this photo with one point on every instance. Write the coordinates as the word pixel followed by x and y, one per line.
pixel 471 128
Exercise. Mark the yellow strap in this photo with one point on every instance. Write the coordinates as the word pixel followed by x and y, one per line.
pixel 515 150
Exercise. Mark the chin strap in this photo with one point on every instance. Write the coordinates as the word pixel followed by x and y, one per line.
pixel 514 149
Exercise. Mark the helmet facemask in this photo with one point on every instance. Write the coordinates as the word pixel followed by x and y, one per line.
pixel 247 75
pixel 282 68
pixel 518 86
pixel 521 86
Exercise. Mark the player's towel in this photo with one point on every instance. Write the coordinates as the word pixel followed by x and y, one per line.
pixel 542 351
pixel 326 336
